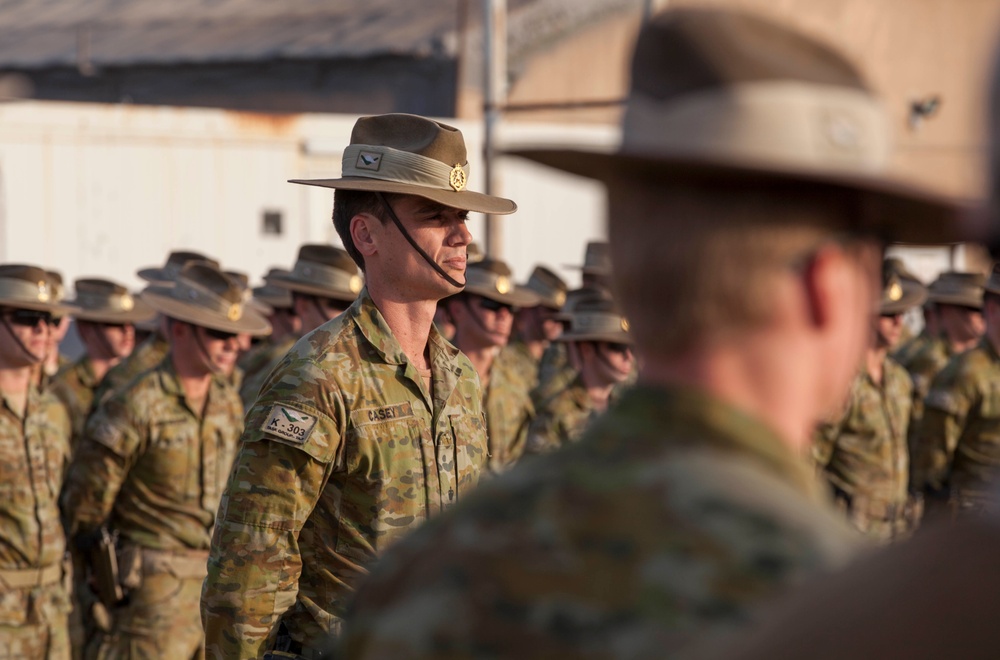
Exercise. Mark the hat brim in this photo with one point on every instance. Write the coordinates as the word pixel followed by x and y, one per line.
pixel 140 312
pixel 518 296
pixel 342 295
pixel 956 299
pixel 914 295
pixel 251 322
pixel 466 200
pixel 908 214
pixel 57 309
pixel 610 337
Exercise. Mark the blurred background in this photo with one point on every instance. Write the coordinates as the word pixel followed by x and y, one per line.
pixel 129 127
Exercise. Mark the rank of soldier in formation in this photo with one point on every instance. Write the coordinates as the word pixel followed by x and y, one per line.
pixel 288 423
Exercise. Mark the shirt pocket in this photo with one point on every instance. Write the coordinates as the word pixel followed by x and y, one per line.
pixel 470 442
pixel 171 461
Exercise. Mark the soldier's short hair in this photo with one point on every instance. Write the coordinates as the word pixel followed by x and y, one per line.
pixel 349 203
pixel 698 260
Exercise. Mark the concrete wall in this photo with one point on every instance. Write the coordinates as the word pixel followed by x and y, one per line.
pixel 102 190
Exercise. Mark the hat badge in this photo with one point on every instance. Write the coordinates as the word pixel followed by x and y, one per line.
pixel 625 325
pixel 895 292
pixel 355 284
pixel 127 303
pixel 502 284
pixel 560 298
pixel 43 291
pixel 235 312
pixel 457 179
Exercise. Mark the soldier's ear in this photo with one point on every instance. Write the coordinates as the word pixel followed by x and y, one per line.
pixel 364 232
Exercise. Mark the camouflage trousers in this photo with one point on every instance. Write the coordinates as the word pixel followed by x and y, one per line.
pixel 34 623
pixel 161 617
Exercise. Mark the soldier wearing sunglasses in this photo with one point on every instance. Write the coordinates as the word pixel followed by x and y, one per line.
pixel 34 448
pixel 153 462
pixel 600 349
pixel 484 316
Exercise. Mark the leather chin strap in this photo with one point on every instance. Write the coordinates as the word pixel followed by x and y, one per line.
pixel 204 352
pixel 20 344
pixel 409 239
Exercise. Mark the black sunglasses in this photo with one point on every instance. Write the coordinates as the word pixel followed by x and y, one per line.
pixel 616 347
pixel 219 334
pixel 494 306
pixel 29 318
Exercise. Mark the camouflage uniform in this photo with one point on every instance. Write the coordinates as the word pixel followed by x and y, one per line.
pixel 345 452
pixel 522 362
pixel 507 402
pixel 75 387
pixel 561 419
pixel 675 512
pixel 153 469
pixel 923 366
pixel 146 355
pixel 864 454
pixel 907 350
pixel 34 603
pixel 555 372
pixel 264 363
pixel 958 442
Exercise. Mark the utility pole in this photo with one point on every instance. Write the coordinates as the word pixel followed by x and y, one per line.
pixel 494 97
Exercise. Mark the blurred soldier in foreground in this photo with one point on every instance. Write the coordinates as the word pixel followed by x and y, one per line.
pixel 373 422
pixel 151 352
pixel 864 452
pixel 152 466
pixel 601 349
pixel 957 452
pixel 484 317
pixel 748 268
pixel 34 450
pixel 323 283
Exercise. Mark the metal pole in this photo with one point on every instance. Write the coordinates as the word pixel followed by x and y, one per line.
pixel 494 95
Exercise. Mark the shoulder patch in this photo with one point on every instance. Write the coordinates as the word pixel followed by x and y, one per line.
pixel 289 423
pixel 379 414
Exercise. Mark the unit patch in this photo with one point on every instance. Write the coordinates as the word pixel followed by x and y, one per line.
pixel 289 423
pixel 383 414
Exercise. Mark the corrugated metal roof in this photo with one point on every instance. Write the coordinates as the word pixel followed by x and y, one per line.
pixel 50 33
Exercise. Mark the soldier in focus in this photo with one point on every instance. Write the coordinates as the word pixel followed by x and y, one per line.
pixel 600 348
pixel 864 453
pixel 373 422
pixel 957 448
pixel 748 266
pixel 153 463
pixel 484 316
pixel 322 284
pixel 34 451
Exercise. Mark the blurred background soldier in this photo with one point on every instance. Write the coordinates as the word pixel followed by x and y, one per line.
pixel 54 360
pixel 864 453
pixel 283 320
pixel 746 241
pixel 600 348
pixel 153 463
pixel 556 372
pixel 484 317
pixel 245 340
pixel 957 450
pixel 151 352
pixel 596 267
pixel 34 450
pixel 536 327
pixel 323 283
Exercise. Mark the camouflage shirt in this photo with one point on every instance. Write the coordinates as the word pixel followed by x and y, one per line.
pixel 555 372
pixel 265 362
pixel 74 386
pixel 509 410
pixel 345 452
pixel 34 450
pixel 674 513
pixel 958 442
pixel 152 466
pixel 561 419
pixel 146 355
pixel 519 357
pixel 865 455
pixel 907 350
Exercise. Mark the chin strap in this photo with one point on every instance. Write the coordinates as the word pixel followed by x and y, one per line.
pixel 409 239
pixel 216 369
pixel 20 344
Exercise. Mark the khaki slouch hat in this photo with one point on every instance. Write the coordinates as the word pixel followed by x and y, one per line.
pixel 955 288
pixel 720 94
pixel 203 295
pixel 493 279
pixel 104 301
pixel 596 318
pixel 321 270
pixel 175 262
pixel 29 287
